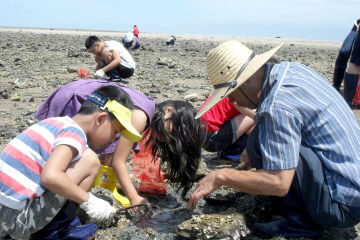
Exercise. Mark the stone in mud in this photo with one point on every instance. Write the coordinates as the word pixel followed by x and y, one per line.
pixel 72 69
pixel 227 225
pixel 72 53
pixel 192 97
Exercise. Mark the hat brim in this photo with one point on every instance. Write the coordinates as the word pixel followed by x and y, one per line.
pixel 255 64
pixel 123 115
pixel 129 131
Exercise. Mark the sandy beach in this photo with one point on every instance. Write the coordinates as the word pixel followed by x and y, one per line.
pixel 34 62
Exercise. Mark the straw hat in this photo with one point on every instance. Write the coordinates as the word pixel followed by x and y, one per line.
pixel 229 65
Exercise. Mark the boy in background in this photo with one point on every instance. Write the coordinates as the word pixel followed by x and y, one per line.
pixel 111 57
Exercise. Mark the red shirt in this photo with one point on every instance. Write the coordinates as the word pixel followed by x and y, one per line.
pixel 136 31
pixel 219 114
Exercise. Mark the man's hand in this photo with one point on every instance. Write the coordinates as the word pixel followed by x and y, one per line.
pixel 97 208
pixel 100 73
pixel 206 186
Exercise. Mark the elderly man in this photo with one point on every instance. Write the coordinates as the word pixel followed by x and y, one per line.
pixel 305 147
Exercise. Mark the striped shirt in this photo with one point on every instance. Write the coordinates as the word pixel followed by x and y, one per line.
pixel 299 106
pixel 23 159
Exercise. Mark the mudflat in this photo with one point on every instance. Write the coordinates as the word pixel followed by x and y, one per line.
pixel 34 62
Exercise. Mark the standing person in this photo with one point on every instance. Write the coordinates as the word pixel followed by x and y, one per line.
pixel 136 31
pixel 353 71
pixel 50 163
pixel 170 40
pixel 343 56
pixel 227 129
pixel 305 145
pixel 112 59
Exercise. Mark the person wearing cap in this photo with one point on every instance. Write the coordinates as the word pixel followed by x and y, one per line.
pixel 130 41
pixel 112 59
pixel 352 72
pixel 304 147
pixel 52 162
pixel 344 55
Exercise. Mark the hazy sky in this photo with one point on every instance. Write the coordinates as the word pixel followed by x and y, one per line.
pixel 307 19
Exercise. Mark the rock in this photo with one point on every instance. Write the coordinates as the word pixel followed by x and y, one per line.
pixel 192 97
pixel 72 69
pixel 18 84
pixel 15 98
pixel 227 225
pixel 107 196
pixel 162 61
pixel 5 94
pixel 72 53
pixel 1 64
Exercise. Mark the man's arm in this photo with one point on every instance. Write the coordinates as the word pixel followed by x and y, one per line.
pixel 259 182
pixel 54 177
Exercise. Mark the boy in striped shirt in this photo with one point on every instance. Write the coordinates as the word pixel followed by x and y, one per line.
pixel 50 163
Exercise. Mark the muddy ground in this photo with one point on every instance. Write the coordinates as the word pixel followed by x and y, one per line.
pixel 32 65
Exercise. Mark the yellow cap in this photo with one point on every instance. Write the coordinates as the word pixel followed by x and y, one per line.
pixel 123 115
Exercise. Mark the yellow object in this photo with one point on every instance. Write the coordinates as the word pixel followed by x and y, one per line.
pixel 123 115
pixel 106 178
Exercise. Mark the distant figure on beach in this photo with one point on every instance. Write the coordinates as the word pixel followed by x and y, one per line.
pixel 343 56
pixel 304 149
pixel 352 73
pixel 130 41
pixel 112 59
pixel 170 40
pixel 136 31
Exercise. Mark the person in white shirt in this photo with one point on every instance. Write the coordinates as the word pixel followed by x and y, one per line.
pixel 130 41
pixel 112 59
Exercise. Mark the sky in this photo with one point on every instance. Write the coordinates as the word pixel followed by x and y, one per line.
pixel 299 19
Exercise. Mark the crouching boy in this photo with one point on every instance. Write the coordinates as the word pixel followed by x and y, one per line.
pixel 50 163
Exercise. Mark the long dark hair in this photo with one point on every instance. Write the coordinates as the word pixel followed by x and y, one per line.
pixel 180 148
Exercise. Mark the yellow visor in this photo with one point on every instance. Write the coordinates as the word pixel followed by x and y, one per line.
pixel 123 115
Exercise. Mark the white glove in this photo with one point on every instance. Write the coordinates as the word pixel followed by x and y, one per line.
pixel 100 73
pixel 97 208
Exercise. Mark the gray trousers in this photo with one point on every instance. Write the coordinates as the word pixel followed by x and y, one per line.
pixel 38 212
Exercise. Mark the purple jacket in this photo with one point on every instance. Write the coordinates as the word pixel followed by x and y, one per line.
pixel 67 100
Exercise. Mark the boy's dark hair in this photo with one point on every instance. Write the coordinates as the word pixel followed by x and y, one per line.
pixel 91 41
pixel 109 92
pixel 180 148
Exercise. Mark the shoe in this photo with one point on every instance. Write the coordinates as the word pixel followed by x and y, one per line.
pixel 338 77
pixel 350 84
pixel 280 226
pixel 116 79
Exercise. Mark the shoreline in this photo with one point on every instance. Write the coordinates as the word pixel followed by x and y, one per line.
pixel 215 38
